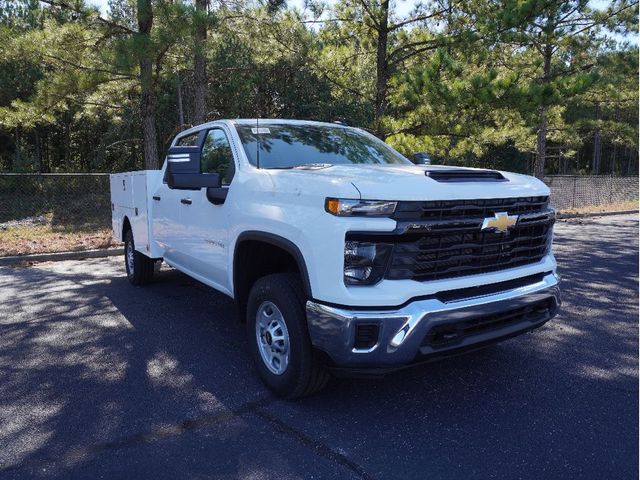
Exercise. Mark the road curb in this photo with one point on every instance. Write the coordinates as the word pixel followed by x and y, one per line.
pixel 563 216
pixel 56 257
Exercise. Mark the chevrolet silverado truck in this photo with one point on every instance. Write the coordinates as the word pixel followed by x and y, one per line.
pixel 342 255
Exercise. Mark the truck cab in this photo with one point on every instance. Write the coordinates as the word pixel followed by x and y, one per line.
pixel 342 255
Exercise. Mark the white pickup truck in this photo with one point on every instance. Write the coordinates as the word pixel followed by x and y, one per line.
pixel 341 254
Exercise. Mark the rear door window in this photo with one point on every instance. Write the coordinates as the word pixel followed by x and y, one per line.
pixel 188 141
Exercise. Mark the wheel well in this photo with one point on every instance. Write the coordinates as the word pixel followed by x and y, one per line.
pixel 126 226
pixel 254 259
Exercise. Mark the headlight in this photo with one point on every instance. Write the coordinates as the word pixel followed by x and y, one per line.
pixel 343 207
pixel 365 262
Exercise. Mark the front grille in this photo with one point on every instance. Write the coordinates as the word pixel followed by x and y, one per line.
pixel 443 239
pixel 450 254
pixel 449 334
pixel 465 209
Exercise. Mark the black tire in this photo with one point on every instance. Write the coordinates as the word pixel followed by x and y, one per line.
pixel 305 374
pixel 140 270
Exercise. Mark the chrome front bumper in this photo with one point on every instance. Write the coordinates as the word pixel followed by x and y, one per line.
pixel 402 331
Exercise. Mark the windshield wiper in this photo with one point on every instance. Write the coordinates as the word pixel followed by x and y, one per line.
pixel 306 166
pixel 314 166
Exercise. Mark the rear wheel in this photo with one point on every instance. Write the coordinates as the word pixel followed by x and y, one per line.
pixel 279 339
pixel 139 267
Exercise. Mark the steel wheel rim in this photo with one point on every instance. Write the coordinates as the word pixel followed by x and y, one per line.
pixel 130 257
pixel 272 337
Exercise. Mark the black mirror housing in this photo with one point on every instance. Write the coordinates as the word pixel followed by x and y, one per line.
pixel 193 181
pixel 183 170
pixel 185 159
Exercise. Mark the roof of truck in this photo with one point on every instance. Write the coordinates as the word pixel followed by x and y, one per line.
pixel 271 121
pixel 258 121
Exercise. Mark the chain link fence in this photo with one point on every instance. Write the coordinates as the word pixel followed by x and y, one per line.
pixel 54 212
pixel 579 191
pixel 59 212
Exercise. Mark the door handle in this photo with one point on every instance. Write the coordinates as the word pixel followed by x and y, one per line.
pixel 156 198
pixel 186 201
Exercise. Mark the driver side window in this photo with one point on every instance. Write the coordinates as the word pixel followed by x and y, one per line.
pixel 217 156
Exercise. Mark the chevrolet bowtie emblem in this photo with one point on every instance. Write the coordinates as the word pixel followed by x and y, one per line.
pixel 500 222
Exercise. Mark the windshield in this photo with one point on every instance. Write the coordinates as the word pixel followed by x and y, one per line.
pixel 289 146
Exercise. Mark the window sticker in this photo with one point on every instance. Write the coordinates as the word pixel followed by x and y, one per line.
pixel 260 130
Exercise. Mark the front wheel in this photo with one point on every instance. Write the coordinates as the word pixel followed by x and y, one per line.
pixel 279 338
pixel 139 267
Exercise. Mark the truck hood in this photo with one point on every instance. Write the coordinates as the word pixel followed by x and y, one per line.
pixel 410 182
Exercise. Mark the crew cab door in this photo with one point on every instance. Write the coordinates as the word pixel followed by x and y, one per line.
pixel 204 214
pixel 165 202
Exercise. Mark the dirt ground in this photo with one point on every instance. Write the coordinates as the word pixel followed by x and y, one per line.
pixel 37 235
pixel 615 207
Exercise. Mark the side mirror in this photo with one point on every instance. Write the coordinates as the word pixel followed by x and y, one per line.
pixel 183 170
pixel 421 158
pixel 193 181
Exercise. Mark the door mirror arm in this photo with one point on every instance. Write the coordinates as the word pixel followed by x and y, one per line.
pixel 218 195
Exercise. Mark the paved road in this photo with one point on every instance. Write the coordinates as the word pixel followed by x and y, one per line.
pixel 99 379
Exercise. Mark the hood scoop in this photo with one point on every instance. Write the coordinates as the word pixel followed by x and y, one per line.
pixel 458 175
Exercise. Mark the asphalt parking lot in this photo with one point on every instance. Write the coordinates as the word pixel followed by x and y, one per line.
pixel 99 379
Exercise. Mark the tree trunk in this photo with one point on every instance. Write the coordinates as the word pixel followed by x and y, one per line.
pixel 147 97
pixel 597 152
pixel 48 135
pixel 180 109
pixel 15 160
pixel 382 69
pixel 448 29
pixel 597 145
pixel 614 160
pixel 67 144
pixel 541 149
pixel 538 168
pixel 133 159
pixel 38 165
pixel 199 66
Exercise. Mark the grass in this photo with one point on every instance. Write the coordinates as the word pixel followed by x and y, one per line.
pixel 30 239
pixel 611 207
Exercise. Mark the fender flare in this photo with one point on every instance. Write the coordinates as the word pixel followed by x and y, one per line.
pixel 280 242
